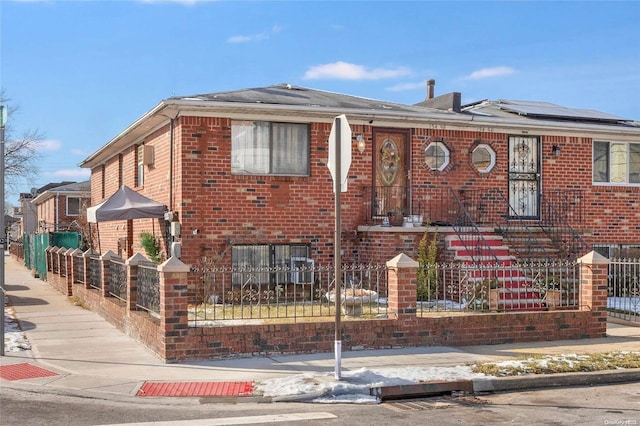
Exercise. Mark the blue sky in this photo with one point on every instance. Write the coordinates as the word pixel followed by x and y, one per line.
pixel 82 71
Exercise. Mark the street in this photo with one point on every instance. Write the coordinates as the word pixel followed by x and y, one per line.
pixel 597 405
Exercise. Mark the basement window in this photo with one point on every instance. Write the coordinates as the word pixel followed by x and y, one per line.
pixel 261 263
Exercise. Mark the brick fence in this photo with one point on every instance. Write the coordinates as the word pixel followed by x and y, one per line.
pixel 171 338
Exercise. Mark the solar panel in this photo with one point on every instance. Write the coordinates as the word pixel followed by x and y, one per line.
pixel 545 109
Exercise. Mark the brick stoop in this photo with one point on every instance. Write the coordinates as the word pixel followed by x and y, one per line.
pixel 514 292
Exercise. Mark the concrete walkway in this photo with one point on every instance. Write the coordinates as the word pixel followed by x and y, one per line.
pixel 92 356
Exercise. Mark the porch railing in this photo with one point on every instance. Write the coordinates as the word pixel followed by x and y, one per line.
pixel 555 222
pixel 561 214
pixel 470 236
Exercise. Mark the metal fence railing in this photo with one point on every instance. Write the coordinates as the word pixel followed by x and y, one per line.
pixel 95 273
pixel 284 292
pixel 459 287
pixel 148 288
pixel 118 279
pixel 623 300
pixel 78 262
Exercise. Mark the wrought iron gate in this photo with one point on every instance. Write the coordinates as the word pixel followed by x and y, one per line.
pixel 524 176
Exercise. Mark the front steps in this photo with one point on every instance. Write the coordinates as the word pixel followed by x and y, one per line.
pixel 495 281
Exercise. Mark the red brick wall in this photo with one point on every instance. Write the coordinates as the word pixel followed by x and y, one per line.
pixel 227 209
pixel 172 339
pixel 247 340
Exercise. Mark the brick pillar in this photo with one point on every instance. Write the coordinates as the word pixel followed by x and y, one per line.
pixel 401 280
pixel 49 251
pixel 594 273
pixel 132 279
pixel 174 303
pixel 67 258
pixel 76 258
pixel 106 272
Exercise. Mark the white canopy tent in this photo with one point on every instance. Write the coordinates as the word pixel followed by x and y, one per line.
pixel 125 204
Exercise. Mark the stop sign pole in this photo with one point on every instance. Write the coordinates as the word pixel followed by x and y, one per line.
pixel 339 163
pixel 3 122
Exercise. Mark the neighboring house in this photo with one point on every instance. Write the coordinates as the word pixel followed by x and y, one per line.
pixel 29 222
pixel 59 206
pixel 244 175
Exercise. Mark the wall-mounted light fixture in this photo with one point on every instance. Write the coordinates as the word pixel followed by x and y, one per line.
pixel 555 150
pixel 360 143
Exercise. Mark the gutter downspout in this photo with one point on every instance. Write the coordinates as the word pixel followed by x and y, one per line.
pixel 171 141
pixel 55 228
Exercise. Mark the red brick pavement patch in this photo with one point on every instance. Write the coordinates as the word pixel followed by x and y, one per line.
pixel 196 389
pixel 23 371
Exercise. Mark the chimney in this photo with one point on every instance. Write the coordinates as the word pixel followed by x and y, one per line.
pixel 431 84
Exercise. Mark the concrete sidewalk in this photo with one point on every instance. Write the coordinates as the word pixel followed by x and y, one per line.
pixel 90 355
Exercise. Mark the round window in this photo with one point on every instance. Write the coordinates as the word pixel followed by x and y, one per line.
pixel 483 158
pixel 436 156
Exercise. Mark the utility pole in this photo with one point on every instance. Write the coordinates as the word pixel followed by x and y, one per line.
pixel 3 122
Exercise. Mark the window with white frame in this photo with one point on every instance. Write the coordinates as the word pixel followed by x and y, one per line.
pixel 616 162
pixel 73 206
pixel 436 156
pixel 266 148
pixel 483 158
pixel 260 264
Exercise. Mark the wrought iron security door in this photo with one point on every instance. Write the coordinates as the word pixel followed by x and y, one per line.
pixel 524 176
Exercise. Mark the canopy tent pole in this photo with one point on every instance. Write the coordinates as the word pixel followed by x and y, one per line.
pixel 98 232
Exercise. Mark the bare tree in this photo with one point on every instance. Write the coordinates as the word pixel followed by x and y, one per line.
pixel 21 155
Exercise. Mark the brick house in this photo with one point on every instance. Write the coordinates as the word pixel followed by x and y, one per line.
pixel 58 206
pixel 243 175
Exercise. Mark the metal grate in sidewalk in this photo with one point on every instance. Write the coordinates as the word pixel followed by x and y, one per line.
pixel 23 371
pixel 196 389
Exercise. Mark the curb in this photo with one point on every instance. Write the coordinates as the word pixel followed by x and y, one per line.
pixel 591 378
pixel 506 384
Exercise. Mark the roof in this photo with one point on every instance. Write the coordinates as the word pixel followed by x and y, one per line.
pixel 543 110
pixel 286 101
pixel 80 189
pixel 289 95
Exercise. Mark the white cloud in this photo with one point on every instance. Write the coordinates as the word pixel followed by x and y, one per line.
pixel 345 71
pixel 490 72
pixel 71 173
pixel 401 87
pixel 244 38
pixel 48 145
pixel 239 39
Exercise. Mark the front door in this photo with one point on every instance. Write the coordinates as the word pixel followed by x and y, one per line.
pixel 390 174
pixel 524 177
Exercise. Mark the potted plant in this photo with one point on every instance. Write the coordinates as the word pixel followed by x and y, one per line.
pixel 396 217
